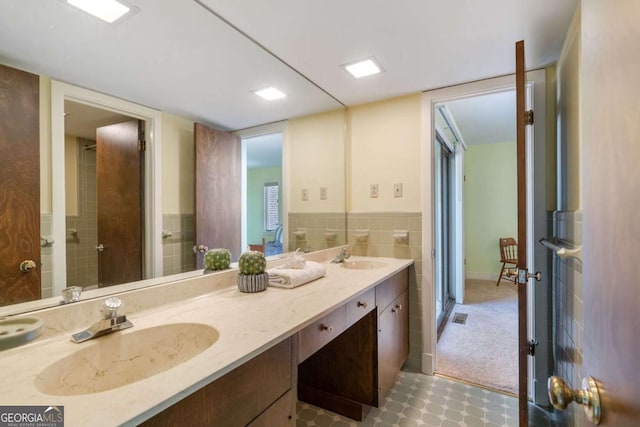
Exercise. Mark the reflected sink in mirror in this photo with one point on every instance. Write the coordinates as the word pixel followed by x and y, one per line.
pixel 124 358
pixel 362 265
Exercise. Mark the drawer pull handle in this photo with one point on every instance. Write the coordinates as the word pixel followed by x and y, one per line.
pixel 326 328
pixel 362 304
pixel 397 308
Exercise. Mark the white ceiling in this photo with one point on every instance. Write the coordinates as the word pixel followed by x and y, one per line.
pixel 202 60
pixel 82 120
pixel 485 119
pixel 264 151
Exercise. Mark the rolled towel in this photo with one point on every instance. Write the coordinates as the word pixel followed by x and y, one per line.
pixel 293 277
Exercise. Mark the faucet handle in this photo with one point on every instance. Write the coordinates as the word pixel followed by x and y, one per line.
pixel 111 306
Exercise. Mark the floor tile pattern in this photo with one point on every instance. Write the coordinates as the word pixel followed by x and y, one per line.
pixel 424 400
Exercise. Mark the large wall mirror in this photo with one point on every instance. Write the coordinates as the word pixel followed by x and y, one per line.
pixel 310 177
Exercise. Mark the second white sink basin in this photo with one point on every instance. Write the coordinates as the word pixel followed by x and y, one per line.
pixel 119 359
pixel 362 264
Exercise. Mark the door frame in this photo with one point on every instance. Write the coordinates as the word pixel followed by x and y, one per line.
pixel 152 181
pixel 276 127
pixel 537 326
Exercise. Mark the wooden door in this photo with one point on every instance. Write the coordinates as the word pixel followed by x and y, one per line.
pixel 19 185
pixel 610 163
pixel 521 161
pixel 218 190
pixel 119 167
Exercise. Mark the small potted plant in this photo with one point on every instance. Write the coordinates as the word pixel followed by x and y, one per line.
pixel 252 277
pixel 216 259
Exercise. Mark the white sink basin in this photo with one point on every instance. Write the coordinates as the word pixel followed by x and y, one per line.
pixel 362 265
pixel 120 358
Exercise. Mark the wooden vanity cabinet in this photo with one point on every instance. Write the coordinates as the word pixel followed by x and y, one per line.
pixel 356 369
pixel 258 394
pixel 393 343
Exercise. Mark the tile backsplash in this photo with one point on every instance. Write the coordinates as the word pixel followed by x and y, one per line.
pixel 178 239
pixel 380 241
pixel 568 320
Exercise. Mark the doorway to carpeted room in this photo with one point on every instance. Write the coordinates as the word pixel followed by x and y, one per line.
pixel 484 348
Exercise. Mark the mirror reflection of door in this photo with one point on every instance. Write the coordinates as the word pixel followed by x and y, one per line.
pixel 264 193
pixel 120 172
pixel 104 198
pixel 19 191
pixel 217 199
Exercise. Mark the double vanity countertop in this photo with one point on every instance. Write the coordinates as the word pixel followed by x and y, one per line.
pixel 247 324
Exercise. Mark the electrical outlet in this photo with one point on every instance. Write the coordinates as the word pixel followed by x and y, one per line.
pixel 323 193
pixel 397 190
pixel 373 191
pixel 305 194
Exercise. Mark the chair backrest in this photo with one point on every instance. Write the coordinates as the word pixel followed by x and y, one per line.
pixel 257 247
pixel 508 249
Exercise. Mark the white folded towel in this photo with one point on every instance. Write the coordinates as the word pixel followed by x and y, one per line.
pixel 292 277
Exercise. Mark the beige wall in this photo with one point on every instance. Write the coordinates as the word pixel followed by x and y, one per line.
pixel 385 147
pixel 568 74
pixel 315 146
pixel 177 165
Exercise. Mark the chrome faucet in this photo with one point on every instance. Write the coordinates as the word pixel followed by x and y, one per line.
pixel 111 322
pixel 344 254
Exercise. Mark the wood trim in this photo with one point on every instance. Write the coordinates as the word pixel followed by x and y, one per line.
pixel 522 233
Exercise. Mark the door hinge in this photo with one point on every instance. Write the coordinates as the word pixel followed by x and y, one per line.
pixel 142 145
pixel 528 117
pixel 531 347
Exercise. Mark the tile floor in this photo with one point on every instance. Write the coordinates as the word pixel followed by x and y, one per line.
pixel 424 400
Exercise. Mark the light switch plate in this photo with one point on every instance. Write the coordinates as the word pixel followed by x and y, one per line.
pixel 305 194
pixel 397 190
pixel 373 191
pixel 323 193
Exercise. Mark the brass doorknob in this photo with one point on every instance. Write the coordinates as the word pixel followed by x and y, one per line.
pixel 27 265
pixel 561 395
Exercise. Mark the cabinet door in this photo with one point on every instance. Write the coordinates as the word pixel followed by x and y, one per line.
pixel 238 397
pixel 279 414
pixel 393 343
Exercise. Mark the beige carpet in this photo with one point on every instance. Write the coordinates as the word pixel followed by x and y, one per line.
pixel 485 349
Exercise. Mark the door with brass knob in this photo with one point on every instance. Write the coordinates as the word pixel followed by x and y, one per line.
pixel 28 265
pixel 20 191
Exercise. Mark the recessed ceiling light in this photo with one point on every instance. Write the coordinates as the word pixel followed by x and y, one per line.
pixel 364 68
pixel 107 10
pixel 270 94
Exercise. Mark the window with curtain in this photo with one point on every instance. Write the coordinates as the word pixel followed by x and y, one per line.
pixel 271 206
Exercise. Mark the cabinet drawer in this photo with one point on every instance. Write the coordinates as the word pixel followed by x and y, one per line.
pixel 358 307
pixel 391 288
pixel 319 333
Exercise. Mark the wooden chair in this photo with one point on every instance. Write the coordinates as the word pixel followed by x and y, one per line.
pixel 257 247
pixel 508 258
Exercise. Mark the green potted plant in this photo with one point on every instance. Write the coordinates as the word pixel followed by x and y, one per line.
pixel 252 277
pixel 216 259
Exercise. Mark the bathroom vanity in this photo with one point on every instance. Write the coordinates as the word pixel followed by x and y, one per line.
pixel 337 342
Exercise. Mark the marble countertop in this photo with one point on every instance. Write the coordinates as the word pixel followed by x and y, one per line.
pixel 247 324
